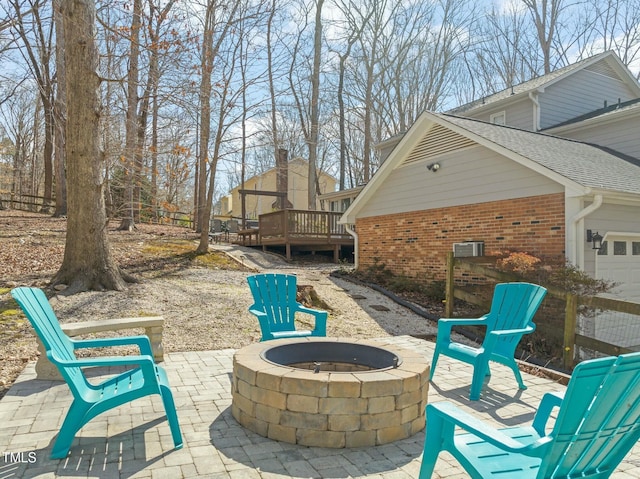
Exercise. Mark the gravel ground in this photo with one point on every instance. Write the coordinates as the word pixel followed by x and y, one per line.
pixel 204 308
pixel 207 309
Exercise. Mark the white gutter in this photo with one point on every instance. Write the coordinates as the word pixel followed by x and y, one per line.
pixel 578 217
pixel 536 110
pixel 353 233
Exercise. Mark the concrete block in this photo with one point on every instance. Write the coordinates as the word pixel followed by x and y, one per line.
pixel 303 420
pixel 382 420
pixel 308 404
pixel 309 437
pixel 381 404
pixel 344 422
pixel 278 432
pixel 343 406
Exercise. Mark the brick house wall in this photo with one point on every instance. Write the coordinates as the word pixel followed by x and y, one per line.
pixel 415 244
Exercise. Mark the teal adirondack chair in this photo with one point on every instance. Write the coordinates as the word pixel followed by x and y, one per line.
pixel 275 306
pixel 89 400
pixel 597 424
pixel 511 316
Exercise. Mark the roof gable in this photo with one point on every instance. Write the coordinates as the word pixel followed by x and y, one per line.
pixel 606 63
pixel 271 172
pixel 437 140
pixel 576 165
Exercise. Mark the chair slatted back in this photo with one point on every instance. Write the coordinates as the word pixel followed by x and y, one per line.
pixel 58 347
pixel 275 295
pixel 513 307
pixel 599 421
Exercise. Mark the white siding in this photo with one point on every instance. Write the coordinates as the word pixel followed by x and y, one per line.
pixel 622 136
pixel 473 175
pixel 609 217
pixel 388 148
pixel 582 92
pixel 519 114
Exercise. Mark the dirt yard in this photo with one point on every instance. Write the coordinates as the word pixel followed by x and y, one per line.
pixel 204 299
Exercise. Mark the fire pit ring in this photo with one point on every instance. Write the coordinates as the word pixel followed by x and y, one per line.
pixel 330 392
pixel 334 356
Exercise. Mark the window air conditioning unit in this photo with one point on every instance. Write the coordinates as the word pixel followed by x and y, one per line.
pixel 471 248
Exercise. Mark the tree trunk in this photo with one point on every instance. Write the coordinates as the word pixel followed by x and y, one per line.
pixel 205 115
pixel 315 110
pixel 131 140
pixel 60 116
pixel 87 262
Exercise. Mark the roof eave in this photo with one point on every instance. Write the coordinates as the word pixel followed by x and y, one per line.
pixel 604 119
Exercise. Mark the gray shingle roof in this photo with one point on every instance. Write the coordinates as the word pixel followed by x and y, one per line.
pixel 608 111
pixel 585 164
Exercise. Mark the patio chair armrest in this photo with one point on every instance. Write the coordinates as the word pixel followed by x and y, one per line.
pixel 316 312
pixel 139 360
pixel 446 324
pixel 493 336
pixel 321 319
pixel 529 328
pixel 141 341
pixel 549 402
pixel 263 320
pixel 450 322
pixel 445 415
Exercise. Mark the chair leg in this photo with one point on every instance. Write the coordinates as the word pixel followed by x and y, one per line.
pixel 516 372
pixel 74 420
pixel 432 445
pixel 434 361
pixel 479 375
pixel 172 416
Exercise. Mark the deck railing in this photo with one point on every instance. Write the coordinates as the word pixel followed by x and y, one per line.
pixel 302 223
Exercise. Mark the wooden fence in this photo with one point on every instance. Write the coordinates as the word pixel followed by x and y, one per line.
pixel 36 204
pixel 567 306
pixel 24 202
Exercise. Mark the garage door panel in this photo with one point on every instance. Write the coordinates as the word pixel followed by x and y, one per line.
pixel 622 269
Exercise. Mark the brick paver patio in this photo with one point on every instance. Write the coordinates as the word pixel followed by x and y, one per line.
pixel 134 441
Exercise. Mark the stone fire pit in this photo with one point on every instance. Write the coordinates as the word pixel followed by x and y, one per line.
pixel 330 392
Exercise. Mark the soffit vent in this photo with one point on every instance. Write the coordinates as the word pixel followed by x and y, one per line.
pixel 603 68
pixel 437 141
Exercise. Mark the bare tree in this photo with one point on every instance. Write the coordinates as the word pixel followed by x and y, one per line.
pixel 87 263
pixel 312 140
pixel 611 25
pixel 217 23
pixel 547 16
pixel 60 115
pixel 17 122
pixel 131 154
pixel 35 30
pixel 304 83
pixel 354 32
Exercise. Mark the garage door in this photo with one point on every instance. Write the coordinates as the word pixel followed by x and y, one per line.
pixel 619 261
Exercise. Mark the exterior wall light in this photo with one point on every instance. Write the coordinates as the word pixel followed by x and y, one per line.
pixel 433 167
pixel 594 238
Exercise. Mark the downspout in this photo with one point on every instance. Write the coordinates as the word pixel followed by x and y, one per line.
pixel 597 203
pixel 353 233
pixel 536 110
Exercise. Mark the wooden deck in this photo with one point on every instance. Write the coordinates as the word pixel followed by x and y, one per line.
pixel 299 229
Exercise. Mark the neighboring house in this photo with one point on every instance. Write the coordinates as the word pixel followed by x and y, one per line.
pixel 339 201
pixel 517 171
pixel 297 195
